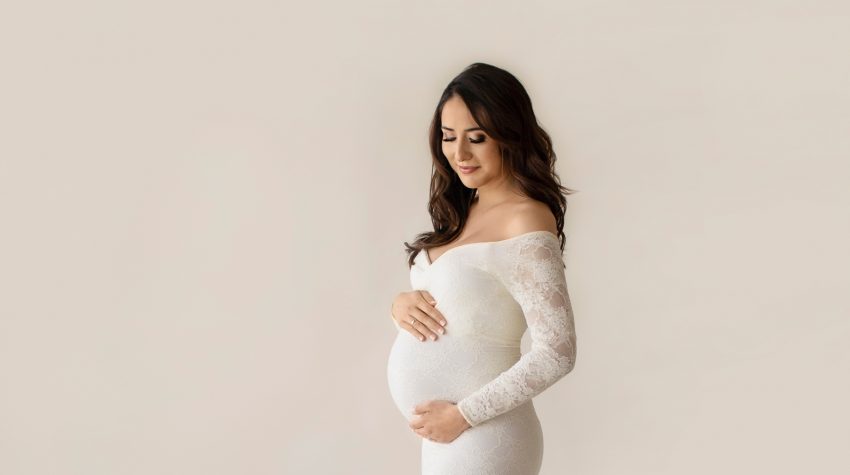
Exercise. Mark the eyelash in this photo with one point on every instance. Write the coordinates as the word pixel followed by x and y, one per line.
pixel 473 141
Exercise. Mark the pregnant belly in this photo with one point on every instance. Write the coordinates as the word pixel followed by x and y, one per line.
pixel 448 369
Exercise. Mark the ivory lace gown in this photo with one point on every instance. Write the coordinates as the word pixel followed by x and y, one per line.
pixel 490 293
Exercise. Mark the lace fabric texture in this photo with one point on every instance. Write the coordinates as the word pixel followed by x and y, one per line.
pixel 491 293
pixel 532 270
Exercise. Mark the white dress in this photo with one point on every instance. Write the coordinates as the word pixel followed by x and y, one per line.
pixel 489 292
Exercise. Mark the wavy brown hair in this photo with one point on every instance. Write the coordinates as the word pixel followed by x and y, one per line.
pixel 502 108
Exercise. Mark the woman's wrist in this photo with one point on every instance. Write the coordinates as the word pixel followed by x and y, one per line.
pixel 462 417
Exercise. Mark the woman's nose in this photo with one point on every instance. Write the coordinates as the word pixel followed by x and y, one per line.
pixel 461 153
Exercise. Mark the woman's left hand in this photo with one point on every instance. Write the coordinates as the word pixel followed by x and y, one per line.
pixel 438 421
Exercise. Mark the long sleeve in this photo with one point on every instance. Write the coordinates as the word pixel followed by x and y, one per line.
pixel 532 270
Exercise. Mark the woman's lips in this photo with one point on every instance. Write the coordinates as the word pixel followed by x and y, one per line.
pixel 468 170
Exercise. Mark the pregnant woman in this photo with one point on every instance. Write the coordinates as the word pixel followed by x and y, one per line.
pixel 491 269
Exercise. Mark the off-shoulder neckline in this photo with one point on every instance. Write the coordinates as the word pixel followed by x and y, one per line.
pixel 501 241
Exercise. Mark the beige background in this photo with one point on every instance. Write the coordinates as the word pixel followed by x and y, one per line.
pixel 203 206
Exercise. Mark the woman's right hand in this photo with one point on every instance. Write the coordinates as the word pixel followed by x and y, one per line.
pixel 415 311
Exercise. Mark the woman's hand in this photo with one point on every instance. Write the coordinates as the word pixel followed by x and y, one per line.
pixel 438 421
pixel 415 312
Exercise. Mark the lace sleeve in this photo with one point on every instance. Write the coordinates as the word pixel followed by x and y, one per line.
pixel 532 270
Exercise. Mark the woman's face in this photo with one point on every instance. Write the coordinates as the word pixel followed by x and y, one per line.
pixel 465 145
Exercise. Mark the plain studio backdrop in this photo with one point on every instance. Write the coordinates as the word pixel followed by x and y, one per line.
pixel 204 203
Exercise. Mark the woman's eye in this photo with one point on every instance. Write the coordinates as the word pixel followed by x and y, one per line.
pixel 452 139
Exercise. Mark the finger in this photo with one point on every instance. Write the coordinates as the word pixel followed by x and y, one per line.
pixel 428 297
pixel 423 432
pixel 413 331
pixel 424 323
pixel 422 408
pixel 432 312
pixel 421 327
pixel 430 308
pixel 416 423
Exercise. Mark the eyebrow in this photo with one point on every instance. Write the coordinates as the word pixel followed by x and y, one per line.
pixel 465 130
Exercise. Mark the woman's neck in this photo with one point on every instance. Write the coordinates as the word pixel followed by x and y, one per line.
pixel 486 199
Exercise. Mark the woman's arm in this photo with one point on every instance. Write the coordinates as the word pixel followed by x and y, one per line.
pixel 532 270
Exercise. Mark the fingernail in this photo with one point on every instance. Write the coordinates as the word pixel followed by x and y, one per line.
pixel 421 338
pixel 433 337
pixel 443 322
pixel 442 331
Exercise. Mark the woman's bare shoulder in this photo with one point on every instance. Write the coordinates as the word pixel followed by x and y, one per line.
pixel 531 215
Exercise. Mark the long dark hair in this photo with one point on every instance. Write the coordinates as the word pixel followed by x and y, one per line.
pixel 501 107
